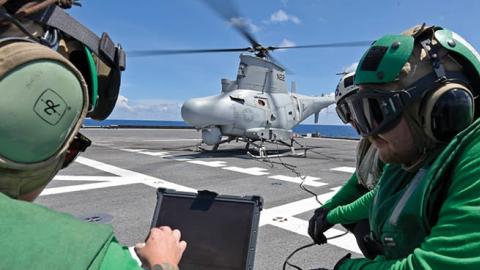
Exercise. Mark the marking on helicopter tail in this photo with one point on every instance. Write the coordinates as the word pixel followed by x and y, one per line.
pixel 252 170
pixel 214 164
pixel 308 181
pixel 344 169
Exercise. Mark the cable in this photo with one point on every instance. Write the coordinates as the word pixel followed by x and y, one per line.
pixel 293 169
pixel 286 262
pixel 50 40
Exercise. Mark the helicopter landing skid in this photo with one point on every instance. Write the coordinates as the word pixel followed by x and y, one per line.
pixel 199 147
pixel 263 152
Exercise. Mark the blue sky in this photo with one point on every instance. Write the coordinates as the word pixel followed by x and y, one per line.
pixel 155 87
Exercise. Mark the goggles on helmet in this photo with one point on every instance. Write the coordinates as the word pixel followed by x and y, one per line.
pixel 343 112
pixel 342 108
pixel 374 111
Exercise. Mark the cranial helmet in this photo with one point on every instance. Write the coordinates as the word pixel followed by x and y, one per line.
pixel 53 73
pixel 430 73
pixel 345 88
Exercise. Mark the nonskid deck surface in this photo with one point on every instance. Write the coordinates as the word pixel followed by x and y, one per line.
pixel 115 181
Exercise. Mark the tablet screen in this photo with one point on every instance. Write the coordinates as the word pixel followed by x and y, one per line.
pixel 217 232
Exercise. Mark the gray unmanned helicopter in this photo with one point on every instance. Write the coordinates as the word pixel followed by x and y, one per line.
pixel 256 107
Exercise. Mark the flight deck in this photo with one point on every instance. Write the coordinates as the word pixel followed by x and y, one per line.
pixel 115 181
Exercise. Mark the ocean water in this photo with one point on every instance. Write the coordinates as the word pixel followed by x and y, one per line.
pixel 335 131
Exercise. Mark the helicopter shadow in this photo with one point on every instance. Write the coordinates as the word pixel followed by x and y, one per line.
pixel 240 153
pixel 203 152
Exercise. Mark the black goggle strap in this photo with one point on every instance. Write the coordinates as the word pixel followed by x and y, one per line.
pixel 79 144
pixel 343 111
pixel 54 16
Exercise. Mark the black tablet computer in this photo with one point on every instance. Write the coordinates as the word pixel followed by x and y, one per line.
pixel 220 231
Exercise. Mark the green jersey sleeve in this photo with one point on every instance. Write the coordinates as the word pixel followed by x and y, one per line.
pixel 348 193
pixel 354 211
pixel 118 257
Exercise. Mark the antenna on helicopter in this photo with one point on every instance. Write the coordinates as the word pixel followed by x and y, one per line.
pixel 293 89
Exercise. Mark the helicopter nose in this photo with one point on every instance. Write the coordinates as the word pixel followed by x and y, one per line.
pixel 207 111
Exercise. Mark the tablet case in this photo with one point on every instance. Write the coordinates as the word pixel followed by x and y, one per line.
pixel 220 230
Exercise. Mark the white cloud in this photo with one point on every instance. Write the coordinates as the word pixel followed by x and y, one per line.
pixel 286 43
pixel 351 68
pixel 244 22
pixel 327 116
pixel 122 103
pixel 156 109
pixel 282 16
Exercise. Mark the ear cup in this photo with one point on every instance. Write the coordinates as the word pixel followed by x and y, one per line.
pixel 447 111
pixel 44 99
pixel 108 89
pixel 81 57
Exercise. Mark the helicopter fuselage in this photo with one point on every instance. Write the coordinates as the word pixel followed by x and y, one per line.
pixel 248 113
pixel 256 105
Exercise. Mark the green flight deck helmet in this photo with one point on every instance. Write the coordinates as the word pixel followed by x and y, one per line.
pixel 50 80
pixel 429 73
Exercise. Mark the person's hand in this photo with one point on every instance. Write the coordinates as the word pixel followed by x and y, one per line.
pixel 318 224
pixel 342 260
pixel 163 247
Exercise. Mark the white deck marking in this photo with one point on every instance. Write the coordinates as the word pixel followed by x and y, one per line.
pixel 252 170
pixel 283 217
pixel 173 140
pixel 150 153
pixel 295 208
pixel 155 154
pixel 66 189
pixel 125 177
pixel 332 139
pixel 182 159
pixel 132 150
pixel 300 226
pixel 309 180
pixel 85 178
pixel 280 216
pixel 214 164
pixel 344 169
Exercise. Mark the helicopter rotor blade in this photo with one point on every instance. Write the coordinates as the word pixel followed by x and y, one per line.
pixel 276 62
pixel 229 12
pixel 325 45
pixel 143 53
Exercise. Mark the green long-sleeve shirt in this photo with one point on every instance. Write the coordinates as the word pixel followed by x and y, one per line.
pixel 454 240
pixel 352 212
pixel 34 237
pixel 348 193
